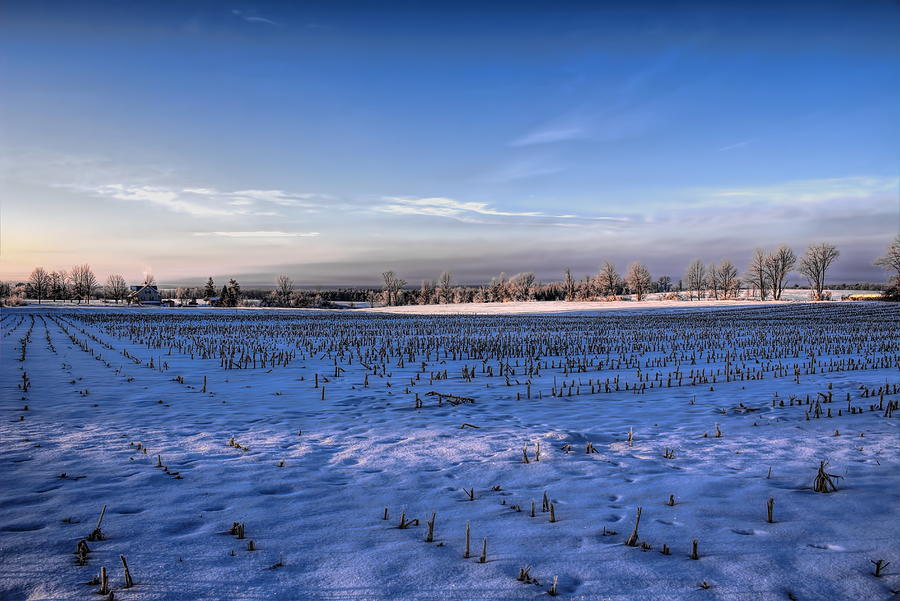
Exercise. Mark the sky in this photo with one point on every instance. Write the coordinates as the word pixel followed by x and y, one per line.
pixel 331 141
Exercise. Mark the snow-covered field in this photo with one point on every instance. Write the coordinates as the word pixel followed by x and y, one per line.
pixel 308 434
pixel 575 307
pixel 653 302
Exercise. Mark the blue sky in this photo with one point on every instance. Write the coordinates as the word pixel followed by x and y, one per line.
pixel 334 140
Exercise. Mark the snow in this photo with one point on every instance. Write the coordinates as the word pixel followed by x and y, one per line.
pixel 574 307
pixel 652 303
pixel 93 397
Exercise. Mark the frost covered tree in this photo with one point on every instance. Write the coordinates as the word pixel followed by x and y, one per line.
pixel 696 278
pixel 444 287
pixel 569 285
pixel 585 289
pixel 522 285
pixel 209 290
pixel 608 279
pixel 777 266
pixel 757 273
pixel 116 288
pixel 814 265
pixel 284 287
pixel 39 283
pixel 392 287
pixel 498 289
pixel 638 280
pixel 425 292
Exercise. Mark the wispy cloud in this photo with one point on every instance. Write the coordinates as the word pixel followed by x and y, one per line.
pixel 475 212
pixel 605 122
pixel 549 135
pixel 810 191
pixel 609 113
pixel 260 234
pixel 202 201
pixel 154 195
pixel 246 197
pixel 252 18
pixel 523 169
pixel 446 207
pixel 737 145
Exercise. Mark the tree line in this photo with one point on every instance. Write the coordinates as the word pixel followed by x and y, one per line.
pixel 765 277
pixel 76 284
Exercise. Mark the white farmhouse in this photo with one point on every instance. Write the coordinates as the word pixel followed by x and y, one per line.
pixel 145 294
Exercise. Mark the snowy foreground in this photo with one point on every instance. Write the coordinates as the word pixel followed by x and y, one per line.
pixel 308 434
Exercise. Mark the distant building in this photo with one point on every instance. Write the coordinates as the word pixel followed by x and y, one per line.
pixel 145 294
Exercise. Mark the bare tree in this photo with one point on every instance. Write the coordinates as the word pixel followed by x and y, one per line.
pixel 284 287
pixel 664 284
pixel 815 264
pixel 570 285
pixel 70 288
pixel 757 273
pixel 116 288
pixel 891 260
pixel 39 283
pixel 696 278
pixel 727 277
pixel 638 280
pixel 444 287
pixel 608 279
pixel 65 287
pixel 392 287
pixel 778 265
pixel 57 285
pixel 712 280
pixel 84 282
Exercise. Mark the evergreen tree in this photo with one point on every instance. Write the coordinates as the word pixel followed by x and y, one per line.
pixel 234 293
pixel 210 290
pixel 223 297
